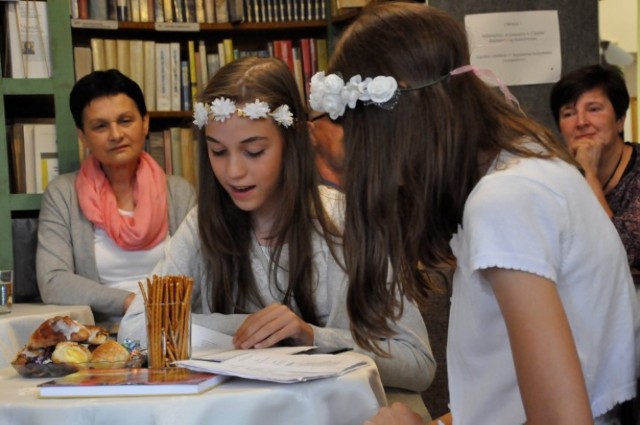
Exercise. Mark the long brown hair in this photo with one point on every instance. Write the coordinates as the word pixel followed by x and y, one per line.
pixel 225 230
pixel 409 170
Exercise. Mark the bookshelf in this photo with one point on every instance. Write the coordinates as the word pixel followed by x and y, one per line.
pixel 41 97
pixel 48 97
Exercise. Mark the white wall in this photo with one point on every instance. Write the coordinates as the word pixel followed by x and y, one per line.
pixel 618 21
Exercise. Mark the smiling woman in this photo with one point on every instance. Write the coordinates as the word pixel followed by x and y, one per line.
pixel 589 106
pixel 103 229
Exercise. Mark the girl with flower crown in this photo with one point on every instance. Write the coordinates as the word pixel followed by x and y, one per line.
pixel 440 168
pixel 265 255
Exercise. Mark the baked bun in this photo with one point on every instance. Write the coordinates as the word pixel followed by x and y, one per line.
pixel 110 355
pixel 71 352
pixel 55 330
pixel 97 335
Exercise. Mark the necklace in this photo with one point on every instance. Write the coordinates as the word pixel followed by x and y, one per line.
pixel 614 169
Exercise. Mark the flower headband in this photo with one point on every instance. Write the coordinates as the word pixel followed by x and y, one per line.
pixel 330 94
pixel 222 108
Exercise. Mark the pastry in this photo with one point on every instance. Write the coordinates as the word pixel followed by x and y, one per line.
pixel 97 335
pixel 27 356
pixel 71 352
pixel 55 330
pixel 110 355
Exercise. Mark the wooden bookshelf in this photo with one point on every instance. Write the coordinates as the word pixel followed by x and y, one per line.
pixel 28 93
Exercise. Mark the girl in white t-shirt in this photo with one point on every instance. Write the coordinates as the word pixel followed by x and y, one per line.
pixel 440 169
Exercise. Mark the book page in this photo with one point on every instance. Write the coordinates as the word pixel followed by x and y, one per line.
pixel 283 368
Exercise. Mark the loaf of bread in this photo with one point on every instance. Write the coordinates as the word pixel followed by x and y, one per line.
pixel 55 330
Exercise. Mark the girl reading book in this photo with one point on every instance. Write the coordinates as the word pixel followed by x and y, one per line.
pixel 261 245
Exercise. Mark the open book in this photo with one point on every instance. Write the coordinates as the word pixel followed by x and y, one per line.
pixel 213 352
pixel 126 382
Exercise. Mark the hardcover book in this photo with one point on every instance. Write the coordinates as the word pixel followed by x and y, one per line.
pixel 126 382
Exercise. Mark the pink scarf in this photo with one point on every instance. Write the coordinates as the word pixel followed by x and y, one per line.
pixel 149 224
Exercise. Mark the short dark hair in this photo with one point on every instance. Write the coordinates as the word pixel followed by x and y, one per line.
pixel 100 84
pixel 607 77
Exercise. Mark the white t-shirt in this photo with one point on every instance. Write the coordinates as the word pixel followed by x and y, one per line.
pixel 538 216
pixel 120 268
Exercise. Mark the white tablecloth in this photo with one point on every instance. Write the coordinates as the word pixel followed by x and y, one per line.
pixel 16 327
pixel 346 400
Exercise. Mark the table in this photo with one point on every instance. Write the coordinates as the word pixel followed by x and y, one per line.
pixel 346 400
pixel 16 327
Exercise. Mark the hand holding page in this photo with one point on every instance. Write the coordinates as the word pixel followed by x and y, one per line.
pixel 215 346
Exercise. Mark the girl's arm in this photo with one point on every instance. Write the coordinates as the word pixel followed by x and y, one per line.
pixel 546 361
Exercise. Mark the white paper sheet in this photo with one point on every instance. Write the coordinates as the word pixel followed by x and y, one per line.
pixel 519 47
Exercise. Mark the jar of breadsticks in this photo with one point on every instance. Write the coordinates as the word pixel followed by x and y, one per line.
pixel 167 301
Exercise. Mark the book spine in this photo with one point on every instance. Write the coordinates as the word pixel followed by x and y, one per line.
pixel 229 56
pixel 98 9
pixel 185 85
pixel 98 54
pixel 136 62
pixel 176 150
pixel 82 61
pixel 210 11
pixel 203 71
pixel 122 57
pixel 187 151
pixel 193 77
pixel 163 77
pixel 150 74
pixel 110 54
pixel 222 12
pixel 175 76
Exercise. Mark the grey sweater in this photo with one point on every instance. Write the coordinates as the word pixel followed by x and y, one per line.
pixel 411 365
pixel 65 260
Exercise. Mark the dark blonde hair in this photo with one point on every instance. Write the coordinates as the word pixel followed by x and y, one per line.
pixel 409 170
pixel 225 230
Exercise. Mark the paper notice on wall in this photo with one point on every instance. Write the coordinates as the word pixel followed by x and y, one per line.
pixel 520 48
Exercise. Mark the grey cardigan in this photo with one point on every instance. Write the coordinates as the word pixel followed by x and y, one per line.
pixel 411 365
pixel 65 260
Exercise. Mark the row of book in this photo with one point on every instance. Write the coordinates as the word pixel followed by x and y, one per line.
pixel 176 150
pixel 172 74
pixel 199 11
pixel 34 153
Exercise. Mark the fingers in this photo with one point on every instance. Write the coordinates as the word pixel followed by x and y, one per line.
pixel 271 325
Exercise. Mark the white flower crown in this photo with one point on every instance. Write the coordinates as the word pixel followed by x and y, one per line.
pixel 222 108
pixel 330 94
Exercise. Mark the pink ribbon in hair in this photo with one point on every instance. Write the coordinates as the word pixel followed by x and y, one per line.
pixel 489 75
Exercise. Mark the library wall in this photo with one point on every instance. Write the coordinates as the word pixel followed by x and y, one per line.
pixel 578 36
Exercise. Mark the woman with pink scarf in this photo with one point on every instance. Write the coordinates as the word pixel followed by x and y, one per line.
pixel 102 229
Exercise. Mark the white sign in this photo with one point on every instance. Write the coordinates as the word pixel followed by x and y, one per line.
pixel 519 47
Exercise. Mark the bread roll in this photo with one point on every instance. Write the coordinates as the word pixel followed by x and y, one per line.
pixel 55 330
pixel 110 355
pixel 71 352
